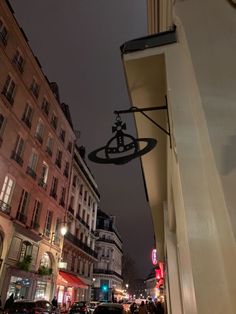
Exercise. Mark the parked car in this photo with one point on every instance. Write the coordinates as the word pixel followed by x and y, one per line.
pixel 109 308
pixel 32 307
pixel 92 306
pixel 80 307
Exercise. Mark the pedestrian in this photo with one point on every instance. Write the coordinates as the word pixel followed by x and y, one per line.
pixel 151 308
pixel 159 307
pixel 9 303
pixel 133 307
pixel 54 302
pixel 142 308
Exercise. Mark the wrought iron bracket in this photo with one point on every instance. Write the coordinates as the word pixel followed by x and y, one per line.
pixel 143 110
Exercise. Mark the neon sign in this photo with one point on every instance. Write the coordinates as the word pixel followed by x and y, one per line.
pixel 154 257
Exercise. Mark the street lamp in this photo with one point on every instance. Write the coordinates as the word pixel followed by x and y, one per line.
pixel 64 228
pixel 127 286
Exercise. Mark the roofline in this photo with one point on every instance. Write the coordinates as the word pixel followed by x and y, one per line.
pixel 151 41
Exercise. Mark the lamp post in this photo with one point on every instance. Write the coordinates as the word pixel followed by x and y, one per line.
pixel 93 290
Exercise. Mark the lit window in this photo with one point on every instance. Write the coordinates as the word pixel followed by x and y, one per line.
pixel 7 190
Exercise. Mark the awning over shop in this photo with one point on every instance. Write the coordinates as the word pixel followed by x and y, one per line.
pixel 70 280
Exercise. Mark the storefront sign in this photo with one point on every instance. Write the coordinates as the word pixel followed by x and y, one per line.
pixel 62 265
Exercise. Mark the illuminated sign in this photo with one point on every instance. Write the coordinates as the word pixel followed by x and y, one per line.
pixel 154 257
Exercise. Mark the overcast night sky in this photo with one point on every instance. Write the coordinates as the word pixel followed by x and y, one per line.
pixel 77 43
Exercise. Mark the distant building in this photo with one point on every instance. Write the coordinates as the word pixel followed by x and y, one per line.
pixel 107 272
pixel 36 146
pixel 75 281
pixel 139 288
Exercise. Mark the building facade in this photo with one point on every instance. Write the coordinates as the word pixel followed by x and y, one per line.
pixel 36 153
pixel 107 276
pixel 188 64
pixel 79 242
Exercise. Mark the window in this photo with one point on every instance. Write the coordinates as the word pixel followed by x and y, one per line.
pixel 3 33
pixel 44 175
pixel 54 121
pixel 49 145
pixel 18 60
pixel 27 115
pixel 62 135
pixel 6 193
pixel 46 261
pixel 48 223
pixel 9 89
pixel 45 106
pixel 89 201
pixel 58 158
pixel 88 218
pixel 18 150
pixel 2 126
pixel 63 196
pixel 35 88
pixel 56 238
pixel 85 196
pixel 81 189
pixel 32 164
pixel 69 148
pixel 74 180
pixel 22 207
pixel 66 170
pixel 36 215
pixel 39 132
pixel 79 209
pixel 26 249
pixel 53 192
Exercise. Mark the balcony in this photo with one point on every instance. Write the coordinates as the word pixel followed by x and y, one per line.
pixel 70 237
pixel 39 138
pixel 5 208
pixel 16 156
pixel 8 95
pixel 82 221
pixel 31 172
pixel 27 121
pixel 42 184
pixel 34 225
pixel 21 217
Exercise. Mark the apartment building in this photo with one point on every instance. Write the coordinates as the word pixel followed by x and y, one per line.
pixel 36 150
pixel 75 281
pixel 107 285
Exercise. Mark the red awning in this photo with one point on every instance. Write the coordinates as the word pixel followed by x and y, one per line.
pixel 70 280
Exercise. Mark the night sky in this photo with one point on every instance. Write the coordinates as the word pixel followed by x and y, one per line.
pixel 77 43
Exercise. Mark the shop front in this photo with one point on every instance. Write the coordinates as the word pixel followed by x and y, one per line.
pixel 70 288
pixel 28 285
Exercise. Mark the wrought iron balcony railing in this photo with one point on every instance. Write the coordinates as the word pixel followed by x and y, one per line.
pixel 70 237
